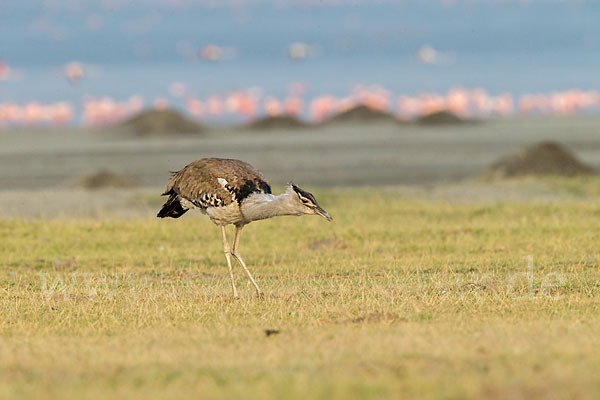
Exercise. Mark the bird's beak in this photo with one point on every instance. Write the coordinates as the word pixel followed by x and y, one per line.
pixel 323 213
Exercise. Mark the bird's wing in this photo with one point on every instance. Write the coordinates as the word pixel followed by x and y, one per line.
pixel 213 182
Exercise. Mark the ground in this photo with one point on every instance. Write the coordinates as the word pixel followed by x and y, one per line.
pixel 404 295
pixel 326 156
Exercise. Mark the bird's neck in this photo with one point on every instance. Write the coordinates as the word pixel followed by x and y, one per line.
pixel 261 206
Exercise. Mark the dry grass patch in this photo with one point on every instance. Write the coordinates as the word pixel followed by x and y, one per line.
pixel 426 300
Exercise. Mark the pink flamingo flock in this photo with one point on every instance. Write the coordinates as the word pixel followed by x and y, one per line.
pixel 34 113
pixel 251 103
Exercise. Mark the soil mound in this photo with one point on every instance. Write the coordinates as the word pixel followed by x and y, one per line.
pixel 362 113
pixel 276 123
pixel 540 159
pixel 160 122
pixel 440 118
pixel 103 179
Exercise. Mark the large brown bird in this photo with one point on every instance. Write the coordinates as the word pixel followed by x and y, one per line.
pixel 233 192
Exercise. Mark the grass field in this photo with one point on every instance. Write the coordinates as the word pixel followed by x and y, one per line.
pixel 394 299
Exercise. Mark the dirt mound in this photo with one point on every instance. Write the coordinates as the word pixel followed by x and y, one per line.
pixel 160 122
pixel 103 179
pixel 362 113
pixel 440 118
pixel 544 158
pixel 276 123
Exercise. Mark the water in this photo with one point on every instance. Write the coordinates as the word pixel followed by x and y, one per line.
pixel 136 47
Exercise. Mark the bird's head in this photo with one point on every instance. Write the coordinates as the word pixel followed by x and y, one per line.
pixel 306 202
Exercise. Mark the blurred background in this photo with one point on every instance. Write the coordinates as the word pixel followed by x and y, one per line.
pixel 202 56
pixel 327 93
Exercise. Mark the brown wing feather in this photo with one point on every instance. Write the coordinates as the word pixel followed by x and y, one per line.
pixel 200 178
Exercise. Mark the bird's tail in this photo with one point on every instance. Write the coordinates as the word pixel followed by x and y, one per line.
pixel 172 208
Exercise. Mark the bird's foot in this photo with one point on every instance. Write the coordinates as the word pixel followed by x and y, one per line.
pixel 260 295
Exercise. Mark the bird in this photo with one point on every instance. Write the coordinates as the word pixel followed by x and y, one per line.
pixel 233 192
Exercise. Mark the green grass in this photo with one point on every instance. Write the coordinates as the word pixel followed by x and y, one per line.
pixel 395 299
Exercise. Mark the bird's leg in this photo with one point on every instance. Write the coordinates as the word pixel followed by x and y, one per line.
pixel 227 252
pixel 238 257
